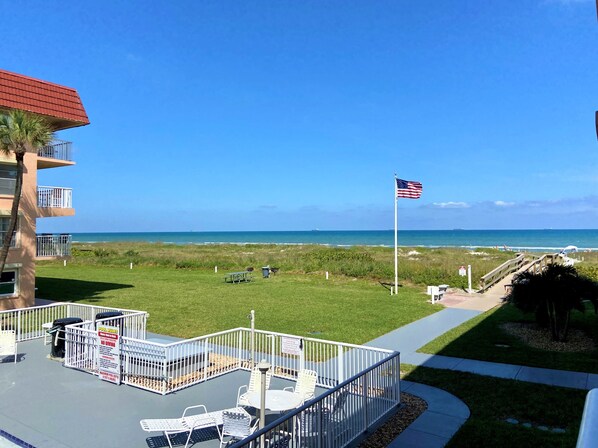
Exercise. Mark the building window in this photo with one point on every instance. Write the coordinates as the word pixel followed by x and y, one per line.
pixel 8 175
pixel 4 222
pixel 8 283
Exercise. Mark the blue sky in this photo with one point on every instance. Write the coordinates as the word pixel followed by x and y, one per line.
pixel 279 115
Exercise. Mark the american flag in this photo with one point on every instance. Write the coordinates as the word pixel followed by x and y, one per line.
pixel 408 189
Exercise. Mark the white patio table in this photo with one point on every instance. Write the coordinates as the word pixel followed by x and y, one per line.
pixel 276 400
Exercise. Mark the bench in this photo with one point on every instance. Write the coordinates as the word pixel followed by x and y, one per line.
pixel 238 277
pixel 437 292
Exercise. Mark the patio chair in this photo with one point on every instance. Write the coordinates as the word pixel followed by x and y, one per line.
pixel 305 385
pixel 188 422
pixel 237 426
pixel 8 343
pixel 255 383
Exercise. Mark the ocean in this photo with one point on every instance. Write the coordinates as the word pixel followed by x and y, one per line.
pixel 530 240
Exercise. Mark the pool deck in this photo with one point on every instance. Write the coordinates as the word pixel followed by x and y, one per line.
pixel 47 405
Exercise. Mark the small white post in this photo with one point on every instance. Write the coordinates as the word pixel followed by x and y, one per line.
pixel 65 263
pixel 252 317
pixel 215 269
pixel 469 290
pixel 131 266
pixel 326 275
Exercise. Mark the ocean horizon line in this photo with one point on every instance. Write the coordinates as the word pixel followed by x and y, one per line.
pixel 523 240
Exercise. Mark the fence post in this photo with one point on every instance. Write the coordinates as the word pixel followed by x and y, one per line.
pixel 341 364
pixel 206 361
pixel 366 416
pixel 18 326
pixel 240 348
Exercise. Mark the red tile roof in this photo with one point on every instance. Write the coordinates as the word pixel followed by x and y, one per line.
pixel 42 97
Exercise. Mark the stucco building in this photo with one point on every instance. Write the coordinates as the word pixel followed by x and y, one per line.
pixel 62 108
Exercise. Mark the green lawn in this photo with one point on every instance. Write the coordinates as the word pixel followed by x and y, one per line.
pixel 481 337
pixel 188 303
pixel 493 400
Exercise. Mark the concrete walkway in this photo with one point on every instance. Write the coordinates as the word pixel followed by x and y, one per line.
pixel 445 415
pixel 437 424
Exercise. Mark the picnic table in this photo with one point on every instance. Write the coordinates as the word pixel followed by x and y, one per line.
pixel 238 277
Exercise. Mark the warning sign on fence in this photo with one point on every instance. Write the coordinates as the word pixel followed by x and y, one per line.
pixel 109 353
pixel 291 346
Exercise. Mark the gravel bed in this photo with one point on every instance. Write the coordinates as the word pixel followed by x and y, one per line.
pixel 412 407
pixel 534 336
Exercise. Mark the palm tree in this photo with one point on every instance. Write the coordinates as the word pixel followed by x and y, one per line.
pixel 552 294
pixel 20 132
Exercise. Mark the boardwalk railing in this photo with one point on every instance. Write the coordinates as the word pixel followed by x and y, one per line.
pixel 165 367
pixel 58 149
pixel 54 197
pixel 540 264
pixel 497 274
pixel 338 417
pixel 53 245
pixel 28 322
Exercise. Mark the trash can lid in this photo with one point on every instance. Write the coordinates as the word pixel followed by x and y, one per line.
pixel 107 314
pixel 67 321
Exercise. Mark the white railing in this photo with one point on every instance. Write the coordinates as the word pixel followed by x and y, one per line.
pixel 53 245
pixel 334 361
pixel 54 197
pixel 338 417
pixel 588 431
pixel 81 341
pixel 165 367
pixel 27 322
pixel 58 149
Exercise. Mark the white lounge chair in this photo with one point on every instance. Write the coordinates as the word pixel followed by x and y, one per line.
pixel 305 385
pixel 255 384
pixel 188 422
pixel 8 343
pixel 236 425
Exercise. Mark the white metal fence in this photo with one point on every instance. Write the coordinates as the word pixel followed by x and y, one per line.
pixel 58 149
pixel 338 417
pixel 53 245
pixel 54 197
pixel 28 322
pixel 165 367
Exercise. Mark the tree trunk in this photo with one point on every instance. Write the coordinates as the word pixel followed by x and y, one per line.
pixel 14 212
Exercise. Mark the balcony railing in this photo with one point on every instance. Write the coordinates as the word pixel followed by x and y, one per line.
pixel 58 149
pixel 53 245
pixel 54 197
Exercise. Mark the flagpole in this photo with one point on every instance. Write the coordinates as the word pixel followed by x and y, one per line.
pixel 396 291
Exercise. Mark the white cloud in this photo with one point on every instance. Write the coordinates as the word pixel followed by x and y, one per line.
pixel 451 204
pixel 503 204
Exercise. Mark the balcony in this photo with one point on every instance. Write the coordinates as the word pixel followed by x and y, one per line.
pixel 54 197
pixel 54 201
pixel 49 246
pixel 58 153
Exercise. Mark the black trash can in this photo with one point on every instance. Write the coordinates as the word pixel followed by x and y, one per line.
pixel 58 335
pixel 108 314
pixel 266 271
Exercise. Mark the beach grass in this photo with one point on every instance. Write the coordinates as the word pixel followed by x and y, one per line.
pixel 418 266
pixel 482 338
pixel 493 400
pixel 193 302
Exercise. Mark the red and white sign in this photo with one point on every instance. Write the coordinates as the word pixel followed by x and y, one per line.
pixel 109 353
pixel 462 271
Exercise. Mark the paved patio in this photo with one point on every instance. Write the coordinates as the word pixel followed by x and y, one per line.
pixel 48 405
